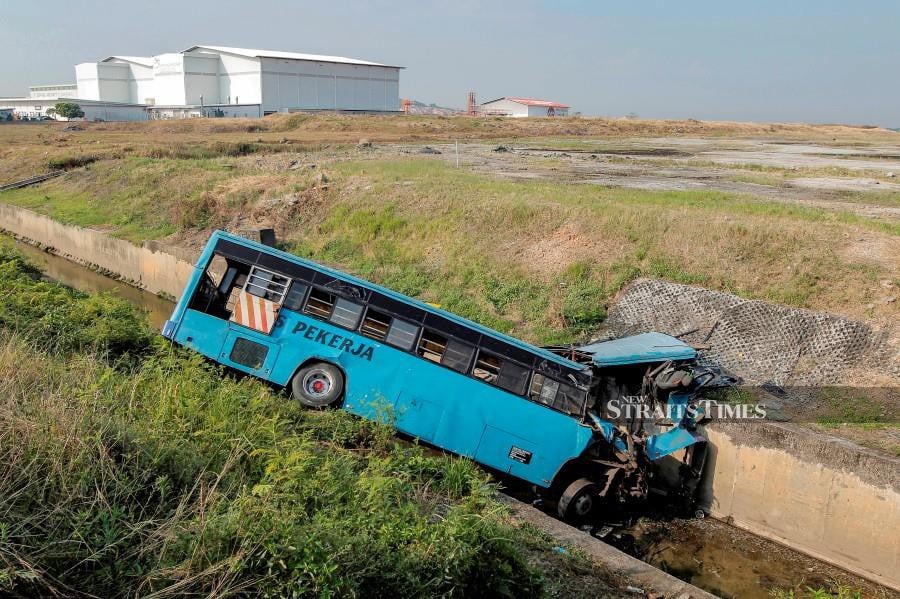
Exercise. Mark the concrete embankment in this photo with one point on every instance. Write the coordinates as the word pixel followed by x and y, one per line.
pixel 822 495
pixel 147 267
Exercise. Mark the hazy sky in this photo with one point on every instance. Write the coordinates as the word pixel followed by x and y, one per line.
pixel 763 60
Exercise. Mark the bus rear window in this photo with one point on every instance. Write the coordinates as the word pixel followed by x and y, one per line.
pixel 320 303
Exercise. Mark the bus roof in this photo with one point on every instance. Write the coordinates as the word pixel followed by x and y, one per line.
pixel 546 354
pixel 637 349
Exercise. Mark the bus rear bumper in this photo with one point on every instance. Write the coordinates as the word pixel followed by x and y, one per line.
pixel 168 329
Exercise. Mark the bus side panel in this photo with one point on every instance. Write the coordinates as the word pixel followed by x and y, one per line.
pixel 448 409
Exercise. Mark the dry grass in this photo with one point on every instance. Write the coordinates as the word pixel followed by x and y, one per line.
pixel 25 149
pixel 537 258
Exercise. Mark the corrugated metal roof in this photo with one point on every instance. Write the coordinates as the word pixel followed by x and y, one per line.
pixel 530 102
pixel 254 53
pixel 141 60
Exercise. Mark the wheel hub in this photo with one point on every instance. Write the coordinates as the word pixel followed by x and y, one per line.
pixel 317 383
pixel 583 505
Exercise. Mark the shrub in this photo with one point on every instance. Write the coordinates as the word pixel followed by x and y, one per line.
pixel 68 162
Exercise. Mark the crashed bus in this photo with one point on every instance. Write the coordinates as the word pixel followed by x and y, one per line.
pixel 536 414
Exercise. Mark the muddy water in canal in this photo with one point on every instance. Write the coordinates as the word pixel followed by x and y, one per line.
pixel 731 562
pixel 79 277
pixel 707 553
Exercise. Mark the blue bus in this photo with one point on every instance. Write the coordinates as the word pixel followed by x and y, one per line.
pixel 335 340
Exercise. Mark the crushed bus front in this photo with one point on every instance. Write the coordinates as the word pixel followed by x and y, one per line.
pixel 645 411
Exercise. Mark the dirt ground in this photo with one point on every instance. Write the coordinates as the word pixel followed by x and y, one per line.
pixel 850 177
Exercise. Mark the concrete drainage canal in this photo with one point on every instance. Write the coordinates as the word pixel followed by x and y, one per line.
pixel 822 511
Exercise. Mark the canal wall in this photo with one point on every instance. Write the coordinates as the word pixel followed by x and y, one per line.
pixel 148 267
pixel 822 495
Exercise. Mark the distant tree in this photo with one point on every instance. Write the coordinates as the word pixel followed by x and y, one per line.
pixel 69 110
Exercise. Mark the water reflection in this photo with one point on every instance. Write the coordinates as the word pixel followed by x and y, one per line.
pixel 79 277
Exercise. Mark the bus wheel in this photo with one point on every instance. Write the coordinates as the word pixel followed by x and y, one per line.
pixel 318 385
pixel 577 500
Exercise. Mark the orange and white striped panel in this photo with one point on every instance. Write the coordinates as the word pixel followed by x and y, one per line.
pixel 254 312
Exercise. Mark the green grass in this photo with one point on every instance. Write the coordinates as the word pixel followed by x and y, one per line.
pixel 890 199
pixel 129 467
pixel 772 180
pixel 866 409
pixel 537 259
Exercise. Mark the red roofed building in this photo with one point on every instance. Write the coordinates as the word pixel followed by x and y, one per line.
pixel 524 107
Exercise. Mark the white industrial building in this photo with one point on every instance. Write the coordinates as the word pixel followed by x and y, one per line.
pixel 212 75
pixel 223 81
pixel 53 92
pixel 524 107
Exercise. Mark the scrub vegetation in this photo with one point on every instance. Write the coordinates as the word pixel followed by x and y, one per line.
pixel 538 259
pixel 130 467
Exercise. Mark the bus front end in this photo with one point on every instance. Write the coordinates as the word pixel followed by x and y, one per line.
pixel 645 409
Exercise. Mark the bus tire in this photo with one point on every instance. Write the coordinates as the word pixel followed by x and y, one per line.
pixel 577 500
pixel 318 385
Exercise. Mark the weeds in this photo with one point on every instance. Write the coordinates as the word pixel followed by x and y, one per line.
pixel 161 475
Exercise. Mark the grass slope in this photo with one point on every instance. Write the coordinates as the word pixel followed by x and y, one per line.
pixel 535 258
pixel 129 467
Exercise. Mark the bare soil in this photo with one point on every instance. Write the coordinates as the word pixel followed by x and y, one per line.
pixel 800 170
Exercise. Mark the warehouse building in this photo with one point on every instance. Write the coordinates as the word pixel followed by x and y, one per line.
pixel 53 92
pixel 218 81
pixel 217 75
pixel 524 107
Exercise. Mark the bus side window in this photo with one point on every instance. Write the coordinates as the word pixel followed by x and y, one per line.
pixel 320 303
pixel 569 399
pixel 558 396
pixel 402 334
pixel 375 325
pixel 543 389
pixel 432 346
pixel 487 367
pixel 346 314
pixel 295 296
pixel 457 355
pixel 513 377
